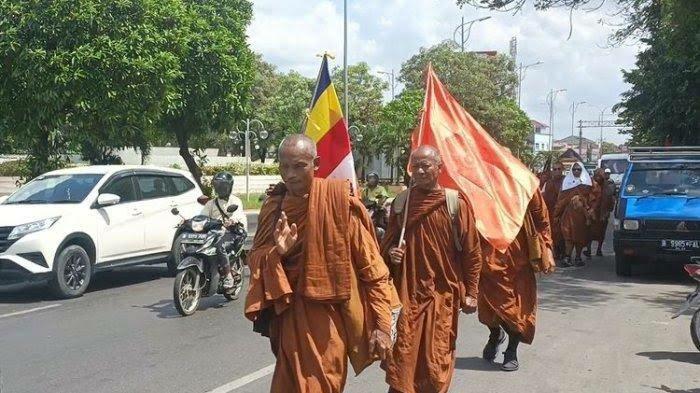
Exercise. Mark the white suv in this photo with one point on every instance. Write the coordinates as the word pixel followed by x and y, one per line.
pixel 66 225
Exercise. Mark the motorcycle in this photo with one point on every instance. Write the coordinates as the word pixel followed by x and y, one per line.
pixel 379 215
pixel 198 273
pixel 692 301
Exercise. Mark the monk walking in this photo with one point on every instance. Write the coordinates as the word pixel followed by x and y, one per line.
pixel 508 288
pixel 573 212
pixel 315 267
pixel 604 199
pixel 436 272
pixel 552 188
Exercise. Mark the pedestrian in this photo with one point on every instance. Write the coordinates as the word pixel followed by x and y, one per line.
pixel 508 286
pixel 573 212
pixel 436 272
pixel 604 191
pixel 552 188
pixel 319 287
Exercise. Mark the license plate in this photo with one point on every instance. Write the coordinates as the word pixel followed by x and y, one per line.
pixel 194 238
pixel 680 245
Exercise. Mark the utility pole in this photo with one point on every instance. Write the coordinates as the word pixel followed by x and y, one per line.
pixel 574 106
pixel 463 40
pixel 521 76
pixel 345 61
pixel 580 136
pixel 550 99
pixel 391 79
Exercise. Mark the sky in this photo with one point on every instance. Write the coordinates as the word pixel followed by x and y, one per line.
pixel 385 33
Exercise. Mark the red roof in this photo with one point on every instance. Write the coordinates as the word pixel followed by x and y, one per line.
pixel 538 124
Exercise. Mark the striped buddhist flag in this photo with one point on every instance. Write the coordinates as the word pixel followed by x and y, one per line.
pixel 326 125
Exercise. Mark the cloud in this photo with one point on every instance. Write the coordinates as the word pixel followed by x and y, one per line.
pixel 385 33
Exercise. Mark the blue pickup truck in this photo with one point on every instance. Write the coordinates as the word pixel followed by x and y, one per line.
pixel 657 217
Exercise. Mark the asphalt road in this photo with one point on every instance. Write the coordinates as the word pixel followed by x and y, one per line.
pixel 596 333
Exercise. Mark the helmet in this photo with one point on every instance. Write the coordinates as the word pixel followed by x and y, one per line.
pixel 222 184
pixel 372 174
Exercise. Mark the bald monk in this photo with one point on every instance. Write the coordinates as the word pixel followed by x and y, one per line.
pixel 508 288
pixel 315 262
pixel 434 278
pixel 552 188
pixel 573 212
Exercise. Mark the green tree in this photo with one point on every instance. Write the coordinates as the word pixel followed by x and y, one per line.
pixel 482 85
pixel 216 73
pixel 94 70
pixel 663 104
pixel 398 119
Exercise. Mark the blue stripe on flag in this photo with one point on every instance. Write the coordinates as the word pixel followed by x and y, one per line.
pixel 324 80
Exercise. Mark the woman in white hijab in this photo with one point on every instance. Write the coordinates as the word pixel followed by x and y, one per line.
pixel 573 212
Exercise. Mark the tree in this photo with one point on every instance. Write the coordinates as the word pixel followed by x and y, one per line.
pixel 101 72
pixel 663 104
pixel 398 119
pixel 481 85
pixel 609 148
pixel 216 73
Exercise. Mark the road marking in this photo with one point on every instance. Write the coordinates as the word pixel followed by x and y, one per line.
pixel 14 314
pixel 240 382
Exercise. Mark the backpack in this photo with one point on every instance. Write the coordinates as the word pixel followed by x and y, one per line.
pixel 452 199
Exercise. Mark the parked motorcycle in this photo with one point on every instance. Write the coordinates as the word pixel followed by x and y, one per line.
pixel 692 302
pixel 199 274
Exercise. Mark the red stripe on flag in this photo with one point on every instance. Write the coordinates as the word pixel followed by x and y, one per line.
pixel 332 148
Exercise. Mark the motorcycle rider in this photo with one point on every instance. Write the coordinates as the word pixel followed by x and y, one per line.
pixel 222 183
pixel 373 192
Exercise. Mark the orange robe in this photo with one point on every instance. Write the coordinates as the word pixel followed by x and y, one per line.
pixel 432 283
pixel 604 202
pixel 551 193
pixel 507 287
pixel 573 212
pixel 311 337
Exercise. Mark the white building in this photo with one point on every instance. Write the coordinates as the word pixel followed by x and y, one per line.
pixel 539 138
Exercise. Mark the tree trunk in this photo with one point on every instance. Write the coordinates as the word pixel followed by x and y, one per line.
pixel 183 142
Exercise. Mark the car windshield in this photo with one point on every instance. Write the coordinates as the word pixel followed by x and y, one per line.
pixel 616 166
pixel 55 189
pixel 663 181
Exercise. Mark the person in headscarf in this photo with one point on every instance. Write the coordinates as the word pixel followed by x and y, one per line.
pixel 551 191
pixel 604 202
pixel 573 212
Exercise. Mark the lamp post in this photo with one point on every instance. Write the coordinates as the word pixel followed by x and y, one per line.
pixel 463 40
pixel 574 106
pixel 521 76
pixel 356 136
pixel 246 136
pixel 391 78
pixel 550 99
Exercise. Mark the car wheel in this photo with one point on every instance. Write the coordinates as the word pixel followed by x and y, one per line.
pixel 623 265
pixel 174 258
pixel 72 272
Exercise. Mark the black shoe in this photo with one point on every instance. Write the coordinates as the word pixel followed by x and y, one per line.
pixel 491 348
pixel 587 253
pixel 599 254
pixel 510 361
pixel 566 262
pixel 579 262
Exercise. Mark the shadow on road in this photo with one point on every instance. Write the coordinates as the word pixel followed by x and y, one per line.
pixel 475 364
pixel 668 300
pixel 664 388
pixel 570 293
pixel 682 357
pixel 165 309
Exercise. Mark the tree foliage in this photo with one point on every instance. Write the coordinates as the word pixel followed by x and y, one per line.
pixel 482 85
pixel 398 119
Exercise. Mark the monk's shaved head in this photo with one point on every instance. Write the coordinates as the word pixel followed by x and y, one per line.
pixel 298 144
pixel 427 152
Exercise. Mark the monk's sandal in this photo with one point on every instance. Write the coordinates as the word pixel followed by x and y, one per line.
pixel 491 348
pixel 510 361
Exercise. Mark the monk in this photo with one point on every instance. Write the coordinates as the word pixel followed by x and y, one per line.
pixel 315 266
pixel 508 288
pixel 436 272
pixel 604 202
pixel 573 212
pixel 551 191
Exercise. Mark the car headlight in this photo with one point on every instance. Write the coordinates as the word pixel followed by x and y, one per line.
pixel 630 225
pixel 36 226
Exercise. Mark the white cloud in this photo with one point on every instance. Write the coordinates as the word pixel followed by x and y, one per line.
pixel 385 33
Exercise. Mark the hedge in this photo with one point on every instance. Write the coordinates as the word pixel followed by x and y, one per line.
pixel 239 169
pixel 17 168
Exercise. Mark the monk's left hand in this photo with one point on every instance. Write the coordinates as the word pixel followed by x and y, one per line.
pixel 380 345
pixel 469 305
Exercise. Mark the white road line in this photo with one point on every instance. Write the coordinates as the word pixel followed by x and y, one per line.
pixel 233 385
pixel 14 314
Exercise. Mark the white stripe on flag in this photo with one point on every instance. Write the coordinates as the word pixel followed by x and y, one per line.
pixel 346 170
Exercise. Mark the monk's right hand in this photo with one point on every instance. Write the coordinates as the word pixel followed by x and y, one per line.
pixel 397 253
pixel 285 235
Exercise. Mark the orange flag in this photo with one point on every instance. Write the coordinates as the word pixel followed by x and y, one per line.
pixel 496 183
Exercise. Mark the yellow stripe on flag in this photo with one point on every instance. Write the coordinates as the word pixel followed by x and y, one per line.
pixel 324 115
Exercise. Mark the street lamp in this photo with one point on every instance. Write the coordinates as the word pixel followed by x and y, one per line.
pixel 521 76
pixel 574 106
pixel 391 76
pixel 246 136
pixel 551 97
pixel 463 41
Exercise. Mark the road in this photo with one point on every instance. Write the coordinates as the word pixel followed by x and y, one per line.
pixel 596 333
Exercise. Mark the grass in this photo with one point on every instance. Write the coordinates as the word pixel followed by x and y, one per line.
pixel 253 203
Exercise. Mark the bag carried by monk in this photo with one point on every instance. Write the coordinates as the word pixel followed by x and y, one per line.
pixel 541 258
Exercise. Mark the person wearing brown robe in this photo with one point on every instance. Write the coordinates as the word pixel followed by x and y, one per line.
pixel 508 287
pixel 315 266
pixel 573 212
pixel 433 278
pixel 604 202
pixel 551 191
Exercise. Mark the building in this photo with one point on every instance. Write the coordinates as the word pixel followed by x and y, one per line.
pixel 589 149
pixel 539 139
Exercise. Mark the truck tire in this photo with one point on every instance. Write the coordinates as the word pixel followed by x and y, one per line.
pixel 623 265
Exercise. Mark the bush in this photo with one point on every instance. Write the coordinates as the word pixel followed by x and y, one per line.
pixel 17 168
pixel 239 169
